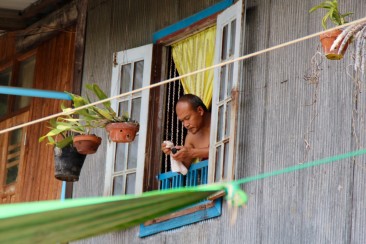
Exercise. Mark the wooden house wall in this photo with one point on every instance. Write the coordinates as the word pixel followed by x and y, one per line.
pixel 53 71
pixel 7 47
pixel 285 119
pixel 113 26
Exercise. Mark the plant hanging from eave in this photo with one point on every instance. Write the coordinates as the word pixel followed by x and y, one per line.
pixel 337 18
pixel 357 33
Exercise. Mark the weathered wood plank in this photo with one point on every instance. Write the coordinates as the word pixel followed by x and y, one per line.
pixel 53 72
pixel 284 120
pixel 49 26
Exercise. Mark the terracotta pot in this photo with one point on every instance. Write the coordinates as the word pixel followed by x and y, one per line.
pixel 327 40
pixel 87 144
pixel 122 131
pixel 68 163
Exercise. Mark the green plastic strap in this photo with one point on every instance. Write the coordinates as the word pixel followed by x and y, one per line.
pixel 55 221
pixel 237 197
pixel 301 166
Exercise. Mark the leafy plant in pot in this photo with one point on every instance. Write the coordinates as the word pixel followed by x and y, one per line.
pixel 83 141
pixel 120 128
pixel 68 162
pixel 327 39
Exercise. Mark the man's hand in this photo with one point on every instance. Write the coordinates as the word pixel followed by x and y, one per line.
pixel 165 149
pixel 184 155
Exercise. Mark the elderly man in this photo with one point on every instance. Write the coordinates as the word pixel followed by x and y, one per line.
pixel 196 118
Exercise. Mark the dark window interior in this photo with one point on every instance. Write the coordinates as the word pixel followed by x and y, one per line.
pixel 20 74
pixel 173 128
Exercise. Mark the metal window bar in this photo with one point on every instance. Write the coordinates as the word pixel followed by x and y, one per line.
pixel 173 128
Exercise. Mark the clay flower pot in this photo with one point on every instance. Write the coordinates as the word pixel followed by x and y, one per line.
pixel 122 131
pixel 87 144
pixel 327 40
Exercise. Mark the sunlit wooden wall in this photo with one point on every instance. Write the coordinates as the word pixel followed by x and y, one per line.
pixel 7 47
pixel 53 71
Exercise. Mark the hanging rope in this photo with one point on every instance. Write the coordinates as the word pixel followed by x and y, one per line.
pixel 182 76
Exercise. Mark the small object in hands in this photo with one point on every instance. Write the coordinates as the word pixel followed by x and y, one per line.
pixel 174 150
pixel 175 165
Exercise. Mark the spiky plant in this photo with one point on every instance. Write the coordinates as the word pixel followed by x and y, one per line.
pixel 62 130
pixel 94 115
pixel 333 14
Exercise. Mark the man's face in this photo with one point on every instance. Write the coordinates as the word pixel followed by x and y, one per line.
pixel 192 119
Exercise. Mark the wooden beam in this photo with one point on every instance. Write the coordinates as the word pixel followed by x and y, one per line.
pixel 11 20
pixel 186 211
pixel 82 7
pixel 47 27
pixel 156 101
pixel 180 213
pixel 41 8
pixel 190 30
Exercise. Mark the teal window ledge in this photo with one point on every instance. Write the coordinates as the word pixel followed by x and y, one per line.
pixel 207 209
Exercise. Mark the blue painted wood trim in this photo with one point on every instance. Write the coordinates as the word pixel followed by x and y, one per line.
pixel 28 92
pixel 191 20
pixel 63 191
pixel 173 180
pixel 191 218
pixel 171 174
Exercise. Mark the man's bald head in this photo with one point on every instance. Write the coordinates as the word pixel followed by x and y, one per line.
pixel 194 101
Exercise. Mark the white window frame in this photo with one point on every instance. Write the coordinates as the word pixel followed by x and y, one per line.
pixel 120 59
pixel 225 18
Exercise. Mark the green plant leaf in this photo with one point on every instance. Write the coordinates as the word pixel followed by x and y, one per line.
pixel 105 113
pixel 322 5
pixel 72 120
pixel 332 13
pixel 51 140
pixel 64 142
pixel 53 122
pixel 324 20
pixel 332 4
pixel 63 127
pixel 99 93
pixel 53 132
pixel 347 14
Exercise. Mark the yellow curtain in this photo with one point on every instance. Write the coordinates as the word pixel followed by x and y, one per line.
pixel 193 53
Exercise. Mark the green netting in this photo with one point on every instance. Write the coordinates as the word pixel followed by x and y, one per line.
pixel 55 221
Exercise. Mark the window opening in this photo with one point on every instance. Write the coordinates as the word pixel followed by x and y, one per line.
pixel 25 80
pixel 13 155
pixel 5 78
pixel 20 74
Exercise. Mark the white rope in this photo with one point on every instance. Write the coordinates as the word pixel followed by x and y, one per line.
pixel 182 76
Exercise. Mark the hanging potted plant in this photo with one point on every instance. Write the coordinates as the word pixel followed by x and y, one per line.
pixel 327 39
pixel 87 143
pixel 123 130
pixel 68 162
pixel 119 128
pixel 83 141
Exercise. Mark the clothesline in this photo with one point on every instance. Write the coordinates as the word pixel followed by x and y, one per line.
pixel 182 76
